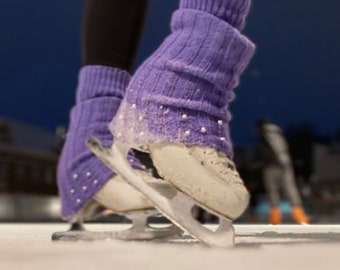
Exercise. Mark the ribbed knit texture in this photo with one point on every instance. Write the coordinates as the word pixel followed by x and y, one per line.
pixel 233 12
pixel 80 174
pixel 180 95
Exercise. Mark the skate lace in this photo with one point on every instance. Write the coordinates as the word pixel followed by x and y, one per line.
pixel 219 161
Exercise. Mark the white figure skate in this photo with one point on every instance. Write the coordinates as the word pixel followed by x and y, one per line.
pixel 118 197
pixel 178 206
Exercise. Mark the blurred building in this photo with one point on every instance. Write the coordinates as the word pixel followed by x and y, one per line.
pixel 326 161
pixel 28 159
pixel 325 181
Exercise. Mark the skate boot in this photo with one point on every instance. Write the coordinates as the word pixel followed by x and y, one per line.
pixel 176 108
pixel 299 215
pixel 275 216
pixel 87 188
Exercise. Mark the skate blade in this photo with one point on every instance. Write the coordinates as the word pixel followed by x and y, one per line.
pixel 139 231
pixel 176 207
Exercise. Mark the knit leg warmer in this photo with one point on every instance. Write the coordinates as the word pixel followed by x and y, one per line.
pixel 80 174
pixel 181 93
pixel 234 12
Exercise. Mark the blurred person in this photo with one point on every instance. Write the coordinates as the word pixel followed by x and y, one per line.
pixel 278 174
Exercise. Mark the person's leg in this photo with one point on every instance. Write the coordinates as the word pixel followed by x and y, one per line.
pixel 271 180
pixel 176 104
pixel 289 187
pixel 111 33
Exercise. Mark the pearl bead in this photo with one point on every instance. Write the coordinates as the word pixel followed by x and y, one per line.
pixel 75 176
pixel 161 106
pixel 72 191
pixel 220 122
pixel 78 201
pixel 133 106
pixel 88 174
pixel 184 116
pixel 222 138
pixel 203 129
pixel 84 188
pixel 95 182
pixel 187 132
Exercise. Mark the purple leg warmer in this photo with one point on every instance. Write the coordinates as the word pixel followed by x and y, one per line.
pixel 180 95
pixel 234 12
pixel 80 174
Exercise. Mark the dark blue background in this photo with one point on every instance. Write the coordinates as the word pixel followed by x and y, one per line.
pixel 293 78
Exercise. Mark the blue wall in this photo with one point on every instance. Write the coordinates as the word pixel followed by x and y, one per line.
pixel 293 78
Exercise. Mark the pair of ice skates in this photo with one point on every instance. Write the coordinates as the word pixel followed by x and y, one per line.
pixel 175 107
pixel 194 176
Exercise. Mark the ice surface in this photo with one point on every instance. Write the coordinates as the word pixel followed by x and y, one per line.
pixel 29 246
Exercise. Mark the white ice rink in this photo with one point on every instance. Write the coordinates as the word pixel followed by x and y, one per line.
pixel 29 246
